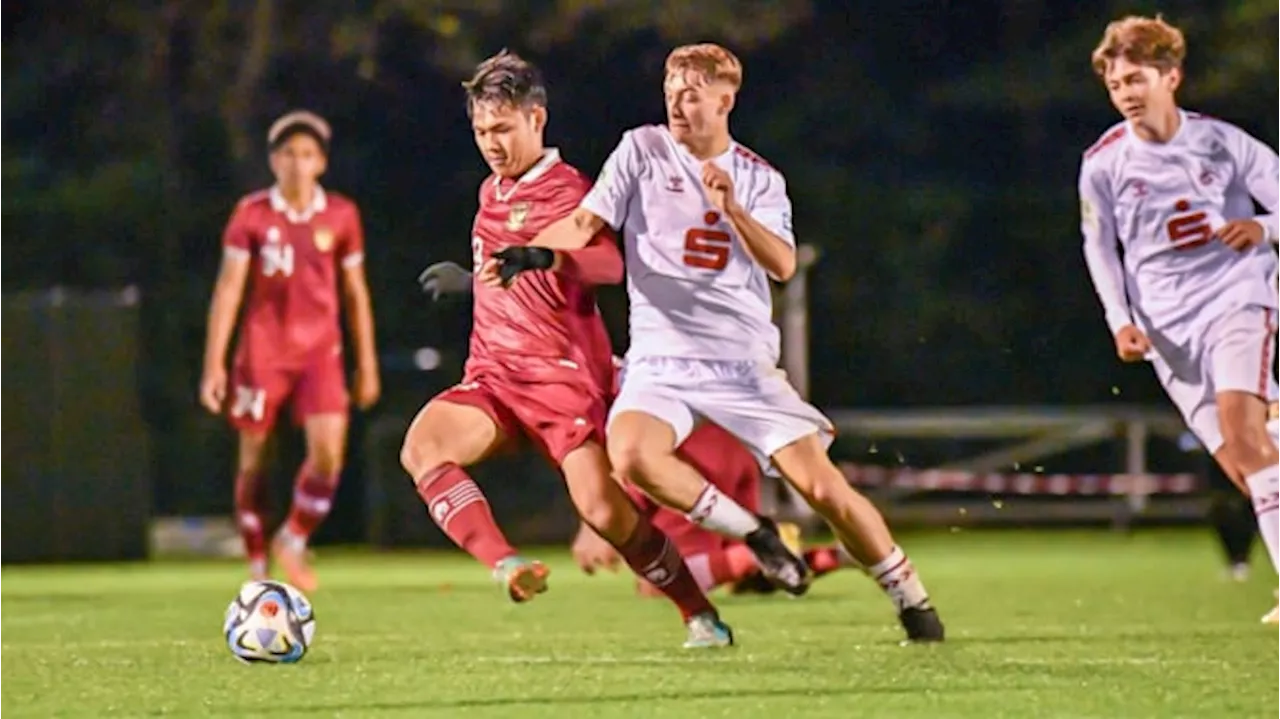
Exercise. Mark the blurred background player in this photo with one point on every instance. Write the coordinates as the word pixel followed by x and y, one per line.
pixel 1193 290
pixel 540 362
pixel 707 224
pixel 292 245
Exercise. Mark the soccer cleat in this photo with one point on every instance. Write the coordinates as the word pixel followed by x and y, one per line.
pixel 523 578
pixel 1238 572
pixel 782 566
pixel 1274 616
pixel 922 624
pixel 755 583
pixel 290 554
pixel 791 536
pixel 706 631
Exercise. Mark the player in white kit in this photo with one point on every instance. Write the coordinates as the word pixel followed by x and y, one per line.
pixel 1181 263
pixel 707 223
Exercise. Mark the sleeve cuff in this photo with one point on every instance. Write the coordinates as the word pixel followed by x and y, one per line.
pixel 1117 321
pixel 1270 232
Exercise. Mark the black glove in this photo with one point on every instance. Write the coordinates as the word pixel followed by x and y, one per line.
pixel 445 278
pixel 514 260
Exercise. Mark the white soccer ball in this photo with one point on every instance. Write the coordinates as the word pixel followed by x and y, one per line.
pixel 269 621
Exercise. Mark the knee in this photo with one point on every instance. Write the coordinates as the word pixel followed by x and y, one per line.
pixel 253 450
pixel 817 479
pixel 633 461
pixel 325 462
pixel 604 517
pixel 1251 450
pixel 418 455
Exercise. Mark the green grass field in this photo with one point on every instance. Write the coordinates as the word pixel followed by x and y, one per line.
pixel 1071 624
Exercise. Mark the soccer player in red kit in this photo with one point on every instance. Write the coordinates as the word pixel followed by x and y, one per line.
pixel 291 246
pixel 540 362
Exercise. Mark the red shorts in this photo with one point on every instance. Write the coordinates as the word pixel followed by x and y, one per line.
pixel 727 464
pixel 558 417
pixel 257 394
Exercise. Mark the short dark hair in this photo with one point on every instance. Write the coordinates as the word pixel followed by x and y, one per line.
pixel 299 122
pixel 506 79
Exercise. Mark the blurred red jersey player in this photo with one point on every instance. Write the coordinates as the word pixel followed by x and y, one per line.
pixel 540 364
pixel 291 247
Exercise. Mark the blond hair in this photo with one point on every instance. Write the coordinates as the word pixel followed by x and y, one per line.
pixel 713 62
pixel 1143 41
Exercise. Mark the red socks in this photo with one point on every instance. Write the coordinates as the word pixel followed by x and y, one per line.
pixel 731 564
pixel 248 504
pixel 461 511
pixel 823 560
pixel 312 500
pixel 652 556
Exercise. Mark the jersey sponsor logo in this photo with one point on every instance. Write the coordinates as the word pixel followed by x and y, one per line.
pixel 324 239
pixel 1190 229
pixel 518 214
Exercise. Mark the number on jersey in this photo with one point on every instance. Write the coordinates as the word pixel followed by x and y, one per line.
pixel 1188 230
pixel 706 248
pixel 477 253
pixel 277 258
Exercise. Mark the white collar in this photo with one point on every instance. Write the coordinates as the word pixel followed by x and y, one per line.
pixel 550 157
pixel 318 204
pixel 684 151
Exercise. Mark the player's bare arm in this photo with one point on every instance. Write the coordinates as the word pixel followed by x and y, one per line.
pixel 359 309
pixel 572 232
pixel 773 253
pixel 228 293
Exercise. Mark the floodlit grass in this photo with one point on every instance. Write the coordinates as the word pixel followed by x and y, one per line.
pixel 1041 624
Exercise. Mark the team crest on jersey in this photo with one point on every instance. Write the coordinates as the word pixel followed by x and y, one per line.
pixel 324 239
pixel 516 217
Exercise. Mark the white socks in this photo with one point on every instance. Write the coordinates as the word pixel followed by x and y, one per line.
pixel 1264 491
pixel 718 513
pixel 897 577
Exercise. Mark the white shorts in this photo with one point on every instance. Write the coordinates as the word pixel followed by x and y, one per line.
pixel 1235 352
pixel 753 402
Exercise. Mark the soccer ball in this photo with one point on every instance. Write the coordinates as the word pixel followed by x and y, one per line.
pixel 270 622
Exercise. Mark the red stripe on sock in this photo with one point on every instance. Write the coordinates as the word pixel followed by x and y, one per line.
pixel 458 506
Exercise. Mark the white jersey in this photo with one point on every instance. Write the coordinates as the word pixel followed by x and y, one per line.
pixel 1162 202
pixel 695 292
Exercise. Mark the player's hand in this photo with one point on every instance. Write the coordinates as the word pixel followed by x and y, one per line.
pixel 1240 235
pixel 213 389
pixel 445 278
pixel 489 275
pixel 522 258
pixel 717 185
pixel 1131 344
pixel 367 388
pixel 591 552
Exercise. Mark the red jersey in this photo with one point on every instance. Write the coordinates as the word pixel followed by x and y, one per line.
pixel 292 306
pixel 546 322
